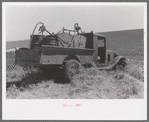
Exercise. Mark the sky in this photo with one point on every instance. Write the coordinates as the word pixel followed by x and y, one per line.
pixel 21 19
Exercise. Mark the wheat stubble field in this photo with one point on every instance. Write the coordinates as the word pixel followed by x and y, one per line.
pixel 90 83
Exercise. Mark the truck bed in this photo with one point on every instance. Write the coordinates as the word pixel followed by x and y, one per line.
pixel 48 55
pixel 25 56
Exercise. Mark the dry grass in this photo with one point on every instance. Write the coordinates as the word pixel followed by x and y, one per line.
pixel 90 83
pixel 16 73
pixel 136 71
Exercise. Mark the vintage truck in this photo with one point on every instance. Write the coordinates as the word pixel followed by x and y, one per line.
pixel 67 49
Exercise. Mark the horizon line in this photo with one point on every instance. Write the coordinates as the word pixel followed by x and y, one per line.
pixel 94 32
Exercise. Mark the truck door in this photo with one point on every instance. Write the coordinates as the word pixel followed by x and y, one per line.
pixel 101 50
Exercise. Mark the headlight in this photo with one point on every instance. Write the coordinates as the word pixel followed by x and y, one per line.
pixel 115 55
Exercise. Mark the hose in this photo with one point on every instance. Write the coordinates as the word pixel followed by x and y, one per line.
pixel 33 33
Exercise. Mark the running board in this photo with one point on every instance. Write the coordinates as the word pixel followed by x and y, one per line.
pixel 111 64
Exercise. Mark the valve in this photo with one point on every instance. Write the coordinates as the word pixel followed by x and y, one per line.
pixel 76 27
pixel 42 28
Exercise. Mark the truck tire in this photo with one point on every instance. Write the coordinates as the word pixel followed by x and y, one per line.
pixel 71 69
pixel 121 65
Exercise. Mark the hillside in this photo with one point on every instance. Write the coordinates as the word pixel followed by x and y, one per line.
pixel 21 43
pixel 127 42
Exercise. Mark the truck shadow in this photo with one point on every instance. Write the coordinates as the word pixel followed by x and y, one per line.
pixel 55 76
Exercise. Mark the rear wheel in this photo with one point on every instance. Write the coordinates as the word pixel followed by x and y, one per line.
pixel 71 69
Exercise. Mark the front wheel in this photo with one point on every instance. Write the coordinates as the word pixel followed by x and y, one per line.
pixel 71 69
pixel 121 65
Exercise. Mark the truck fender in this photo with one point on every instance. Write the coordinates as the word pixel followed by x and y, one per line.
pixel 114 62
pixel 70 57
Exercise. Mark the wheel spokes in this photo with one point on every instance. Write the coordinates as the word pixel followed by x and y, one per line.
pixel 73 70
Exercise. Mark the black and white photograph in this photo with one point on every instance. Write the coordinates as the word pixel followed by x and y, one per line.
pixel 76 54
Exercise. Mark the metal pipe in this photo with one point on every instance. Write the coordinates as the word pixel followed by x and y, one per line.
pixel 33 33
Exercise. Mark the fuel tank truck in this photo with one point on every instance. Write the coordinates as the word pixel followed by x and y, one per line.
pixel 66 50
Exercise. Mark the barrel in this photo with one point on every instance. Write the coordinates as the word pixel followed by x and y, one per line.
pixel 36 40
pixel 50 40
